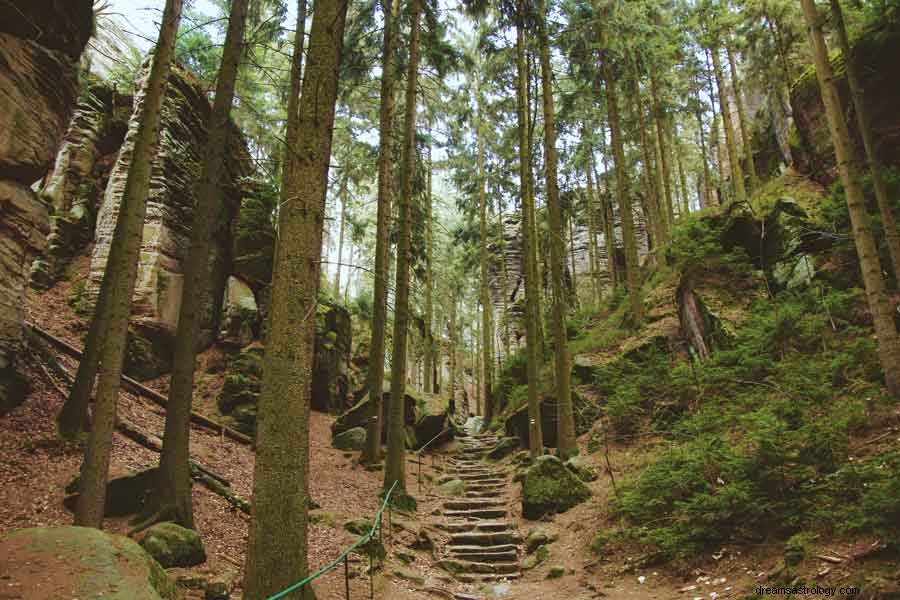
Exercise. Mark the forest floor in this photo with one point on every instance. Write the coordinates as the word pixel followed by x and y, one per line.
pixel 36 467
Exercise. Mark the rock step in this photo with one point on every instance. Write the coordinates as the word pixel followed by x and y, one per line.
pixel 483 494
pixel 481 485
pixel 481 513
pixel 466 504
pixel 488 557
pixel 489 538
pixel 492 477
pixel 486 577
pixel 481 525
pixel 457 566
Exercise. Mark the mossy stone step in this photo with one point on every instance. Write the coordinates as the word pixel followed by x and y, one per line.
pixel 482 525
pixel 485 554
pixel 488 538
pixel 486 577
pixel 479 513
pixel 467 504
pixel 464 566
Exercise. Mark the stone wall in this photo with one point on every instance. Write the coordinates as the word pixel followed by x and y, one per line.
pixel 40 45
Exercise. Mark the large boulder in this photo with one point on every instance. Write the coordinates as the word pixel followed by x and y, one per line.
pixel 548 487
pixel 126 492
pixel 40 44
pixel 173 545
pixel 170 206
pixel 352 439
pixel 80 562
pixel 358 414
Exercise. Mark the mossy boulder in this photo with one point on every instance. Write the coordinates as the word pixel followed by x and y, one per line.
pixel 173 545
pixel 548 487
pixel 540 555
pixel 453 488
pixel 240 391
pixel 352 439
pixel 585 410
pixel 81 562
pixel 537 538
pixel 358 526
pixel 582 468
pixel 148 353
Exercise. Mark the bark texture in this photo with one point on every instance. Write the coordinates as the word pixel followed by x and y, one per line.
pixel 276 553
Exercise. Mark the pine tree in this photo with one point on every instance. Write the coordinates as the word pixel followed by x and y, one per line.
pixel 174 477
pixel 863 235
pixel 375 376
pixel 122 274
pixel 276 552
pixel 395 464
pixel 566 443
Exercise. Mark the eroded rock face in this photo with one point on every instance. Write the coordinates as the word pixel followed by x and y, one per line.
pixel 170 201
pixel 875 55
pixel 40 43
pixel 74 188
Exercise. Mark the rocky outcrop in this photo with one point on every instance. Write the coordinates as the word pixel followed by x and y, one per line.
pixel 331 367
pixel 170 202
pixel 875 55
pixel 506 282
pixel 240 314
pixel 173 545
pixel 40 43
pixel 81 562
pixel 74 188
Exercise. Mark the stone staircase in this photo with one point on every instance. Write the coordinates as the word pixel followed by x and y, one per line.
pixel 483 546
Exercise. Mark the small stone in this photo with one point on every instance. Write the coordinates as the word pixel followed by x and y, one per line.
pixel 453 488
pixel 358 526
pixel 556 572
pixel 537 538
pixel 352 439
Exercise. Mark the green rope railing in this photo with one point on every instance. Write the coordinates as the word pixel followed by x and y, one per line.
pixel 376 525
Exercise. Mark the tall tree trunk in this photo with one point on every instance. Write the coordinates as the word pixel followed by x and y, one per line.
pixel 623 198
pixel 593 251
pixel 667 211
pixel 653 177
pixel 707 183
pixel 452 348
pixel 372 450
pixel 94 470
pixel 848 166
pixel 429 284
pixel 276 550
pixel 742 119
pixel 565 425
pixel 487 317
pixel 609 220
pixel 340 248
pixel 501 236
pixel 529 272
pixel 863 122
pixel 395 465
pixel 734 159
pixel 572 253
pixel 174 477
pixel 679 150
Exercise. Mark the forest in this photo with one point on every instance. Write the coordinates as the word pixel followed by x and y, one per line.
pixel 450 299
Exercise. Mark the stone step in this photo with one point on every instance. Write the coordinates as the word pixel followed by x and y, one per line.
pixel 481 485
pixel 484 494
pixel 480 513
pixel 483 555
pixel 486 577
pixel 465 504
pixel 492 477
pixel 488 538
pixel 481 525
pixel 470 567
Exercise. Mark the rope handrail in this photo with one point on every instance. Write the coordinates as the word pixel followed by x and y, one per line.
pixel 362 540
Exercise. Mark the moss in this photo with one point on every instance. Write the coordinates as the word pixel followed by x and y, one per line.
pixel 548 487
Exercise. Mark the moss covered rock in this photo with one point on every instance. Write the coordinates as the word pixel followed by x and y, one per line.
pixel 81 562
pixel 352 439
pixel 504 448
pixel 548 487
pixel 452 488
pixel 358 526
pixel 173 545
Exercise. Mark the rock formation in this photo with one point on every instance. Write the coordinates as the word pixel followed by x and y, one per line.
pixel 40 45
pixel 166 236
